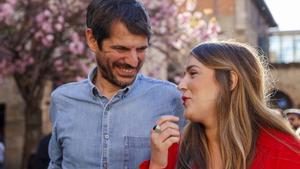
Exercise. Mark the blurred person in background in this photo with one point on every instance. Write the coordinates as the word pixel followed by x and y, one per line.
pixel 293 116
pixel 2 152
pixel 40 159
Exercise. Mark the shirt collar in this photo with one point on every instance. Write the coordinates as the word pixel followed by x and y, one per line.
pixel 124 92
pixel 91 76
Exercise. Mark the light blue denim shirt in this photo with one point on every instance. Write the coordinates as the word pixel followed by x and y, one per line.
pixel 92 132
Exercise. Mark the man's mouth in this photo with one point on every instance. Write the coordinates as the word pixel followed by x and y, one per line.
pixel 126 71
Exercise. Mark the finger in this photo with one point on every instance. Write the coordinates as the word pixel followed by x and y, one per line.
pixel 169 132
pixel 156 138
pixel 157 142
pixel 171 140
pixel 159 138
pixel 167 118
pixel 169 124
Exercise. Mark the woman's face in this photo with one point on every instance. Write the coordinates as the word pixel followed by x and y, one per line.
pixel 199 92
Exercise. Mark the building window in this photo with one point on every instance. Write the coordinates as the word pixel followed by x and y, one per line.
pixel 297 48
pixel 285 47
pixel 274 51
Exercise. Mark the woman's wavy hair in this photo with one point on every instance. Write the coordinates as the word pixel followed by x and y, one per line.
pixel 242 111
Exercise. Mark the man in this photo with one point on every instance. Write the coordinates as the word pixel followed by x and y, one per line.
pixel 293 115
pixel 104 121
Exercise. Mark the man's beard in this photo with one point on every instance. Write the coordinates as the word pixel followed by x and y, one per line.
pixel 107 72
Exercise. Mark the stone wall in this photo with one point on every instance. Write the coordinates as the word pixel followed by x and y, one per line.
pixel 14 120
pixel 287 80
pixel 14 123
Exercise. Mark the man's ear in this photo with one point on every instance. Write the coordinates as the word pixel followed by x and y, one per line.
pixel 91 41
pixel 233 79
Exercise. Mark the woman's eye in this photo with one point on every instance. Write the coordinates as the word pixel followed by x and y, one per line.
pixel 193 73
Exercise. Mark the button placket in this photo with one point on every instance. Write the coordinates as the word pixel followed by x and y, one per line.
pixel 105 135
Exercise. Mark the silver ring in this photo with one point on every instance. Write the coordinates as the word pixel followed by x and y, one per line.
pixel 157 129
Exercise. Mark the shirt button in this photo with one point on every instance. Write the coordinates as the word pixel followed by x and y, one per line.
pixel 106 136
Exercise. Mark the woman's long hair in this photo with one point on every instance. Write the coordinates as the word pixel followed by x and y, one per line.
pixel 242 111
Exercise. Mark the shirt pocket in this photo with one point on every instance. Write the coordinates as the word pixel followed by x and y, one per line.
pixel 137 149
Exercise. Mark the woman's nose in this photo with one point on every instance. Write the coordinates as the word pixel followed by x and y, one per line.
pixel 181 85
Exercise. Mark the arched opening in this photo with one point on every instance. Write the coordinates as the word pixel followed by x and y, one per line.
pixel 2 124
pixel 280 100
pixel 2 121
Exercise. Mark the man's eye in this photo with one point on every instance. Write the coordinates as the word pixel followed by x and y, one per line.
pixel 141 50
pixel 121 50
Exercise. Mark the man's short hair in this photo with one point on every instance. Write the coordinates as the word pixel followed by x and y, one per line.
pixel 101 14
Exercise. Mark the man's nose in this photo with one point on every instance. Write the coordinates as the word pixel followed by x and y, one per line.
pixel 133 58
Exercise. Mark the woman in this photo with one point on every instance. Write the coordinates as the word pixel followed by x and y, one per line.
pixel 230 125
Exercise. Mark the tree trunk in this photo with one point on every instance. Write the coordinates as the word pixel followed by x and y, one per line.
pixel 33 130
pixel 31 87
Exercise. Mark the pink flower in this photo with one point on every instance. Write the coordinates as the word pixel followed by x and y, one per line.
pixel 58 62
pixel 179 2
pixel 59 68
pixel 38 35
pixel 78 78
pixel 61 19
pixel 6 11
pixel 20 66
pixel 84 67
pixel 191 5
pixel 43 17
pixel 47 41
pixel 47 27
pixel 74 36
pixel 3 64
pixel 28 60
pixel 76 47
pixel 13 2
pixel 58 51
pixel 90 55
pixel 58 27
pixel 59 65
pixel 47 13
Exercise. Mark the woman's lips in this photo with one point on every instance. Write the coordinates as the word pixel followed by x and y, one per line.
pixel 184 99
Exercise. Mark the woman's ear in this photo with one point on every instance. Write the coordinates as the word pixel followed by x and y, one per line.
pixel 233 79
pixel 91 41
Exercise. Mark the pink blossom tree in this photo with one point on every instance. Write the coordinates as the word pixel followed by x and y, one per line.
pixel 177 26
pixel 40 41
pixel 44 40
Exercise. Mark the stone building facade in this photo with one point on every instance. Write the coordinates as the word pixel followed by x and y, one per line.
pixel 242 20
pixel 250 21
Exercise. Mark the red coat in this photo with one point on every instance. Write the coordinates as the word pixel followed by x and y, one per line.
pixel 274 150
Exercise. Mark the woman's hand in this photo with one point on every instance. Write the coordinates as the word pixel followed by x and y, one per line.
pixel 165 134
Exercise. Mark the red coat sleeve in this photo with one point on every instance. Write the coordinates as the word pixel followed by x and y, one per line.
pixel 172 158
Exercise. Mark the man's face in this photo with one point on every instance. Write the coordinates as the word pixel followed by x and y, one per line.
pixel 121 56
pixel 294 120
